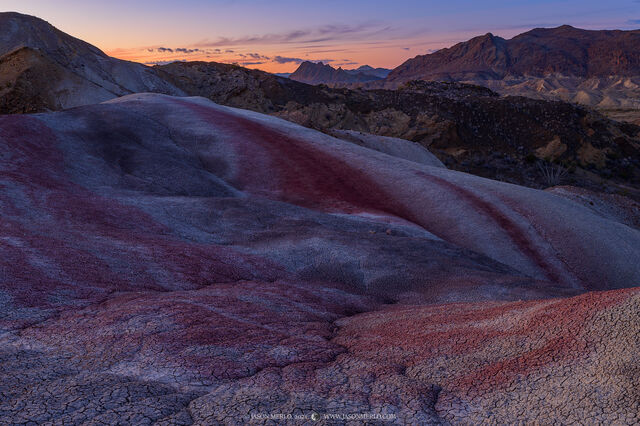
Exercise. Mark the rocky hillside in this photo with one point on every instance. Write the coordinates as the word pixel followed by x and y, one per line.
pixel 31 82
pixel 595 68
pixel 237 86
pixel 319 73
pixel 470 128
pixel 42 68
pixel 540 52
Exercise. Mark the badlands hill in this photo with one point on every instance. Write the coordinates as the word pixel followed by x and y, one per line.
pixel 470 128
pixel 319 73
pixel 595 68
pixel 42 68
pixel 172 260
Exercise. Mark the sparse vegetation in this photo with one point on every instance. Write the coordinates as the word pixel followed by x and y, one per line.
pixel 551 174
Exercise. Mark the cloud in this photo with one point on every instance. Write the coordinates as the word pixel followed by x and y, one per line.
pixel 161 62
pixel 176 50
pixel 634 21
pixel 245 63
pixel 406 48
pixel 185 50
pixel 256 56
pixel 164 55
pixel 314 35
pixel 284 60
pixel 324 61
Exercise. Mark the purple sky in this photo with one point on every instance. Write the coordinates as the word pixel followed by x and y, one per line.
pixel 276 35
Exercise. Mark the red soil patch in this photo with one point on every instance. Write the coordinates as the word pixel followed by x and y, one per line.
pixel 515 233
pixel 58 228
pixel 276 163
pixel 457 330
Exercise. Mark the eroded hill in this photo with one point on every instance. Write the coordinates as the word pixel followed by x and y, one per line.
pixel 170 260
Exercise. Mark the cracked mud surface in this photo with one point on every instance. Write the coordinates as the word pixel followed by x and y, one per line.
pixel 170 261
pixel 213 357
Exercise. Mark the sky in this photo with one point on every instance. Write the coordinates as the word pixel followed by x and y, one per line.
pixel 277 35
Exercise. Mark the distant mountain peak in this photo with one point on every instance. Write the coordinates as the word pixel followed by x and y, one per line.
pixel 320 73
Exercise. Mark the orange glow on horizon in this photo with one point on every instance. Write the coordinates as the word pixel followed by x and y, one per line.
pixel 280 62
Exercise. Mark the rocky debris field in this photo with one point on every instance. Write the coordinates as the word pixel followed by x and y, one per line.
pixel 172 261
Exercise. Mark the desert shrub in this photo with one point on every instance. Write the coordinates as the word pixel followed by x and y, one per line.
pixel 551 174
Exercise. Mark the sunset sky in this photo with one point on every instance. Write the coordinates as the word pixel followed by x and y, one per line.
pixel 276 35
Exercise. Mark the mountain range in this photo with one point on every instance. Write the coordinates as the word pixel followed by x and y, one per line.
pixel 320 73
pixel 369 70
pixel 537 53
pixel 595 68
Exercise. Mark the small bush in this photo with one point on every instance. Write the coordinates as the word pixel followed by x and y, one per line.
pixel 552 174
